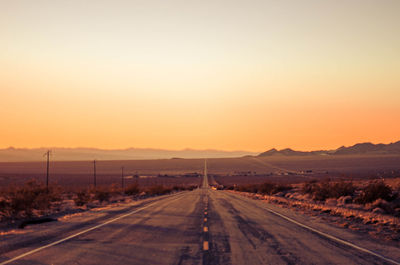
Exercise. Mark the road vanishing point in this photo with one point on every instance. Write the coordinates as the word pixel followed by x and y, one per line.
pixel 204 226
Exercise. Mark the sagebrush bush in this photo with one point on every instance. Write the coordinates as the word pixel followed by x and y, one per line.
pixel 375 190
pixel 178 188
pixel 22 201
pixel 102 194
pixel 82 198
pixel 324 190
pixel 158 190
pixel 132 189
pixel 264 188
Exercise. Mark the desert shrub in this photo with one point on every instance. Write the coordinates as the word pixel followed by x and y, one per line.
pixel 4 208
pixel 181 188
pixel 282 188
pixel 321 191
pixel 158 190
pixel 22 201
pixel 342 188
pixel 324 190
pixel 178 188
pixel 4 204
pixel 191 187
pixel 264 188
pixel 308 187
pixel 132 189
pixel 102 194
pixel 115 189
pixel 82 198
pixel 246 188
pixel 375 190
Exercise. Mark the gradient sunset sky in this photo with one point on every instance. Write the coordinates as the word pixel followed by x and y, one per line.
pixel 248 75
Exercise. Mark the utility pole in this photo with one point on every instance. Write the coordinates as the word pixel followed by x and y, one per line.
pixel 48 167
pixel 205 178
pixel 122 178
pixel 94 173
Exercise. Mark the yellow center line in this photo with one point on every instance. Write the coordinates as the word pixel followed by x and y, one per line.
pixel 205 229
pixel 205 219
pixel 205 245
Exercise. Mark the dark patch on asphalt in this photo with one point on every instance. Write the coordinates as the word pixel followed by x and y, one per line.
pixel 219 248
pixel 36 221
pixel 186 254
pixel 257 236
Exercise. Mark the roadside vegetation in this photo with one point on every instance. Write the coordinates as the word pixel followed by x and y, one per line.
pixel 371 196
pixel 375 195
pixel 371 206
pixel 33 199
pixel 268 188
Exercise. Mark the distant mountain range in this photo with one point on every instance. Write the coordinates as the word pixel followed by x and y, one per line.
pixel 81 154
pixel 357 149
pixel 84 154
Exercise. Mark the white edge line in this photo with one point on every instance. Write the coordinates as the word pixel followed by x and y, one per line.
pixel 333 238
pixel 77 234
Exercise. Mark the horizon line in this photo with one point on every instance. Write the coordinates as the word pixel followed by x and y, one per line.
pixel 185 149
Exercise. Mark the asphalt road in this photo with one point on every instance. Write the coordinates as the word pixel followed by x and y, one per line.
pixel 204 226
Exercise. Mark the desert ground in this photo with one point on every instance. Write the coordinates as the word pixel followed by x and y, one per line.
pixel 280 210
pixel 227 171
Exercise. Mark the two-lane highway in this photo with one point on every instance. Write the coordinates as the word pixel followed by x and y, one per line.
pixel 205 226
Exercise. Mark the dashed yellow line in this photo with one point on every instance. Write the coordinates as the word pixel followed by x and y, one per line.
pixel 205 245
pixel 205 229
pixel 205 219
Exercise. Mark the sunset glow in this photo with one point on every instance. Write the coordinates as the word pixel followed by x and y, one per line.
pixel 199 74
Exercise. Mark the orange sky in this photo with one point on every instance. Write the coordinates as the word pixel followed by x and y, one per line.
pixel 199 74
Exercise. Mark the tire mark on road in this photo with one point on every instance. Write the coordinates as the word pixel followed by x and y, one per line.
pixel 335 241
pixel 219 248
pixel 257 236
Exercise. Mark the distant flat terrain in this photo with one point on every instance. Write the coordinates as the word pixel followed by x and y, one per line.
pixel 274 168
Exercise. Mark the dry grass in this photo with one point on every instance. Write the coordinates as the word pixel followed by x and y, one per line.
pixel 264 188
pixel 33 199
pixel 28 200
pixel 353 215
pixel 370 206
pixel 326 189
pixel 374 191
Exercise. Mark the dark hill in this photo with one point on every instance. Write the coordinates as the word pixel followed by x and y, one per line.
pixel 357 149
pixel 369 148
